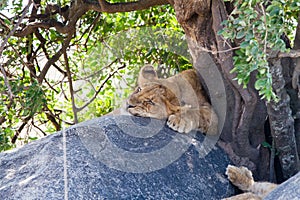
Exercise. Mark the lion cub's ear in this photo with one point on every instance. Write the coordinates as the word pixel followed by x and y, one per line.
pixel 147 74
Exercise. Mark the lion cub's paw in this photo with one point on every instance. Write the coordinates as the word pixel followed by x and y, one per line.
pixel 240 177
pixel 178 123
pixel 184 121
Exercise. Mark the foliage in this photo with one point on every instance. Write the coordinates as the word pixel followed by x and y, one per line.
pixel 103 58
pixel 258 27
pixel 3 4
pixel 129 40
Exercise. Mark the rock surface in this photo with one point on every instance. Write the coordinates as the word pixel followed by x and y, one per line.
pixel 290 190
pixel 116 157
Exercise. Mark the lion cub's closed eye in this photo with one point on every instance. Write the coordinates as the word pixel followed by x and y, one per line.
pixel 180 99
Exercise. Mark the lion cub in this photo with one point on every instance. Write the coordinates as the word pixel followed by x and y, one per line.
pixel 242 178
pixel 180 99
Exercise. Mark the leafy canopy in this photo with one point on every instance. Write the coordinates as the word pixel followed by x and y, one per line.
pixel 258 28
pixel 101 62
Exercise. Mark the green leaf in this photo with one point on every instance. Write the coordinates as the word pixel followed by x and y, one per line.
pixel 260 83
pixel 266 145
pixel 244 44
pixel 240 34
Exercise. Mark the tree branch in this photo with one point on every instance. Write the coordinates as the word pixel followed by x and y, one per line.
pixel 15 137
pixel 291 54
pixel 76 11
pixel 37 127
pixel 54 58
pixel 48 65
pixel 69 75
pixel 3 118
pixel 30 28
pixel 51 117
pixel 105 6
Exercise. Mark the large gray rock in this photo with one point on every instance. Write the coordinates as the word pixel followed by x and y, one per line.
pixel 289 190
pixel 121 157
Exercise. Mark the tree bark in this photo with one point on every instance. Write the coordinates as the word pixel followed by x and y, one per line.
pixel 295 91
pixel 282 123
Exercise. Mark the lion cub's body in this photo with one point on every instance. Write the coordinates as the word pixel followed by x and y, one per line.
pixel 180 99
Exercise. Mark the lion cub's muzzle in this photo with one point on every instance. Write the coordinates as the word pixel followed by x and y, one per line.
pixel 131 109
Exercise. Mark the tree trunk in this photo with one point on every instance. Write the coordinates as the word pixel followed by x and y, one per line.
pixel 201 21
pixel 246 115
pixel 282 123
pixel 295 87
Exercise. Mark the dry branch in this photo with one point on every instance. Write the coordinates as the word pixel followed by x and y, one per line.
pixel 291 54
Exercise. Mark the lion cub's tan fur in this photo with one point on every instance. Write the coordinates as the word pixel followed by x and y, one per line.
pixel 242 178
pixel 180 99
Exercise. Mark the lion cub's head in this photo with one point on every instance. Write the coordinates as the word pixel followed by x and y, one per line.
pixel 151 98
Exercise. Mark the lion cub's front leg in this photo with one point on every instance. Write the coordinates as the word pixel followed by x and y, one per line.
pixel 188 118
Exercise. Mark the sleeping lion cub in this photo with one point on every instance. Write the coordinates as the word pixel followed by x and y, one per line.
pixel 179 99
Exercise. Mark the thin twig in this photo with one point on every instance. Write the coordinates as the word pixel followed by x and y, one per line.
pixel 6 82
pixel 69 75
pixel 217 52
pixel 37 127
pixel 89 29
pixel 100 88
pixel 25 64
pixel 95 74
pixel 266 28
